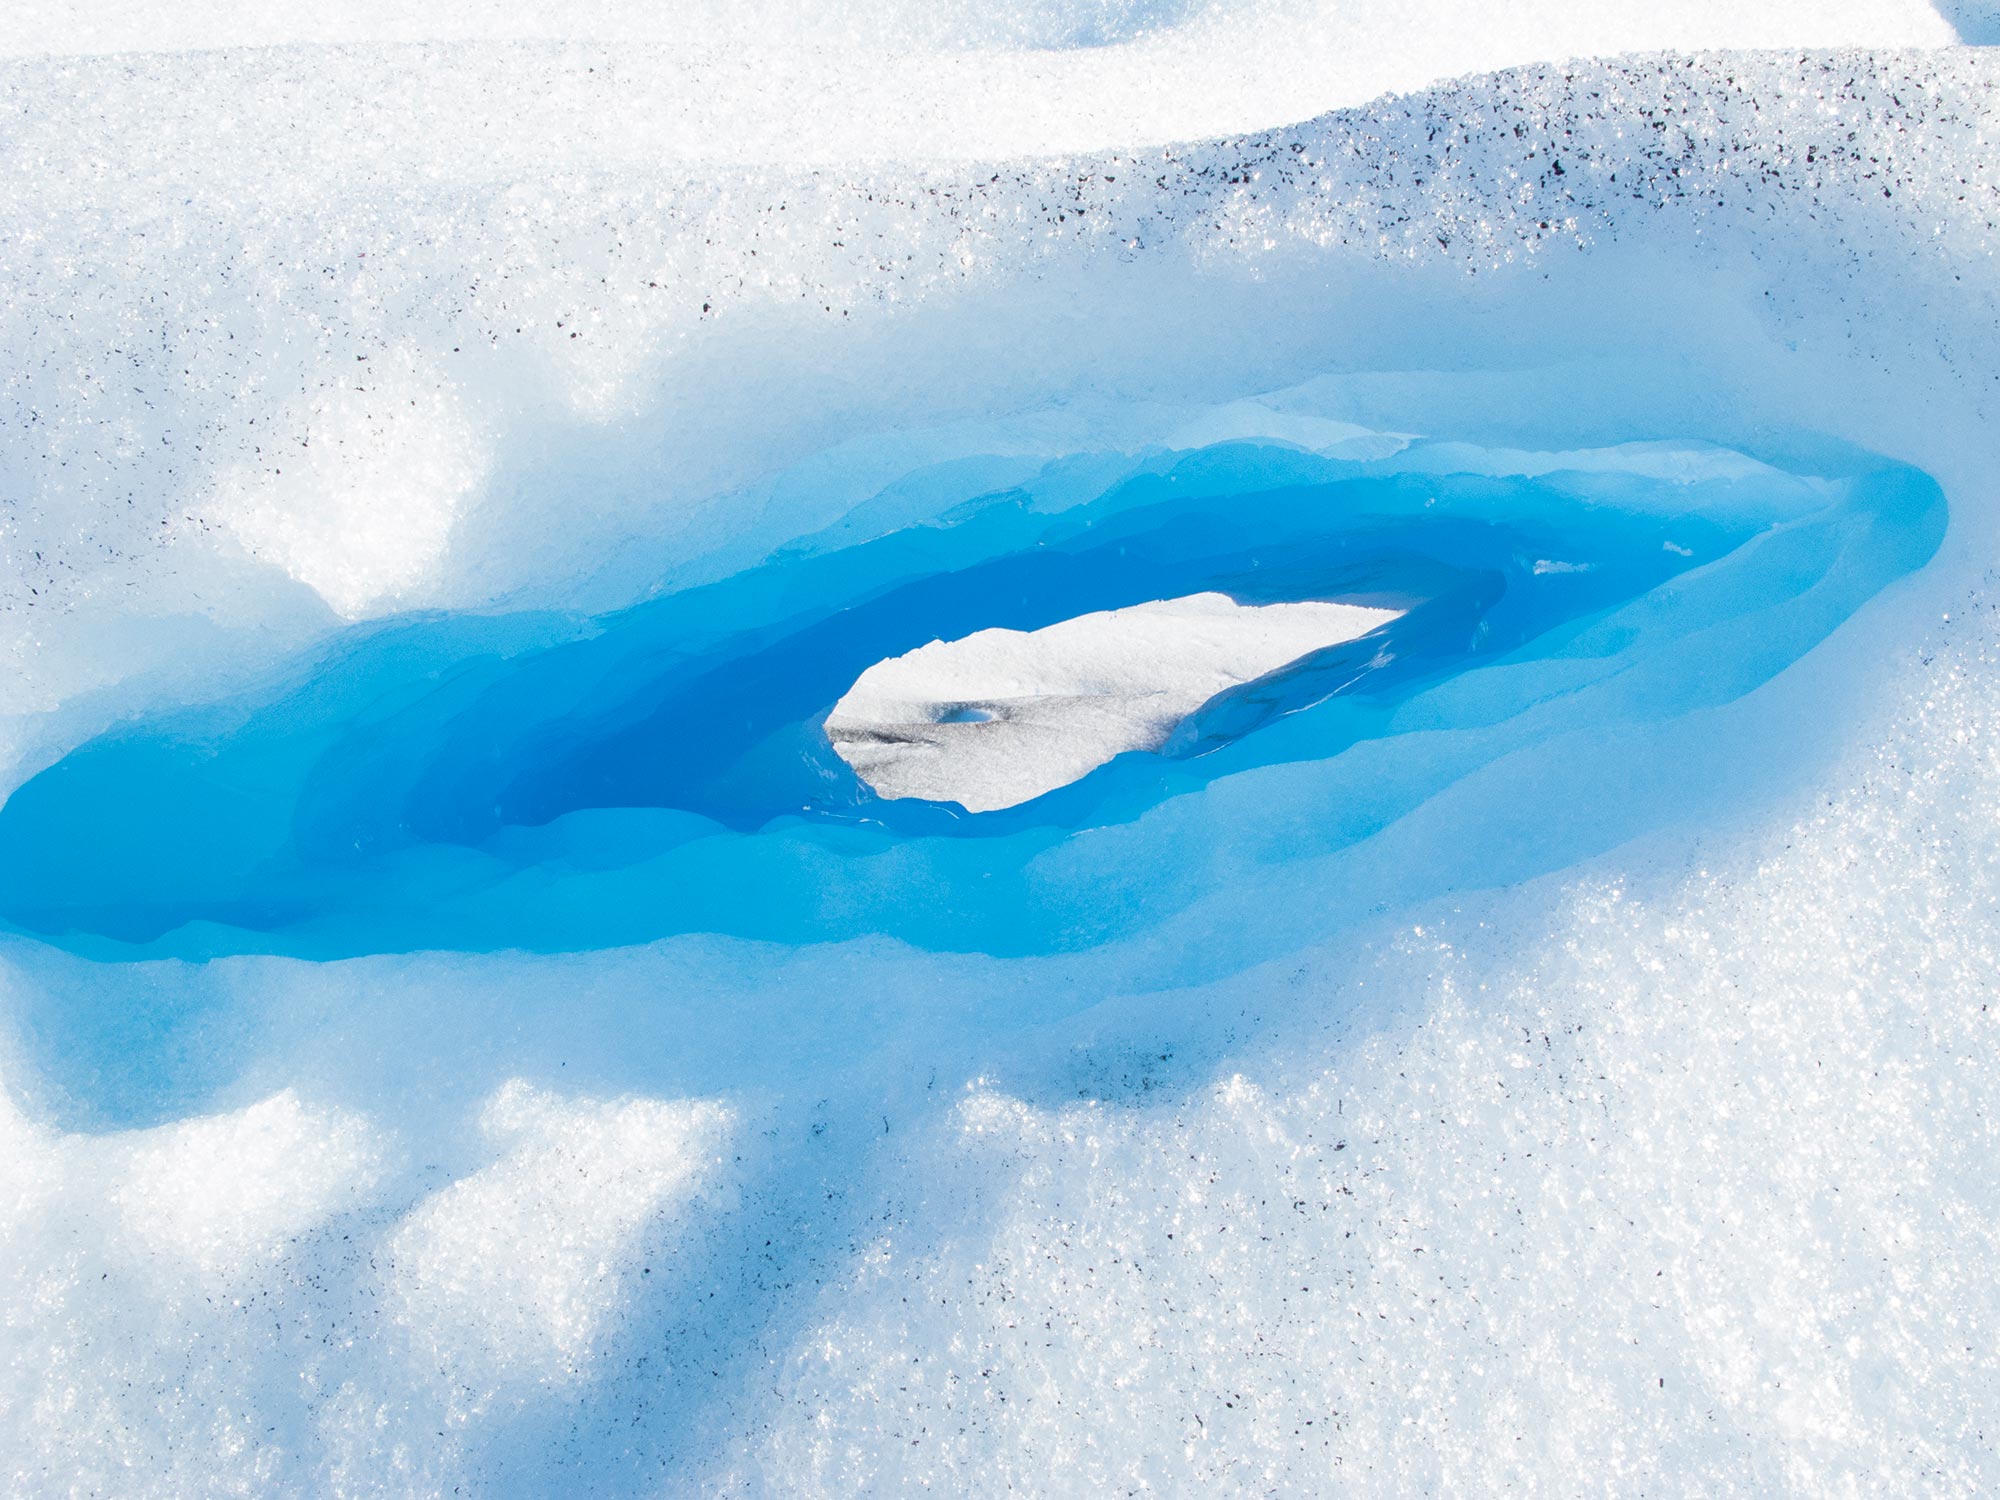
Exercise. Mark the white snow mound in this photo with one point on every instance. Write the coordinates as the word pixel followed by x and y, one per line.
pixel 1003 716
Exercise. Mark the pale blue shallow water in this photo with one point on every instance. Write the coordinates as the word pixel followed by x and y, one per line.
pixel 551 782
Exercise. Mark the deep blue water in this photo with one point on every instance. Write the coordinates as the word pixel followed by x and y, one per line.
pixel 554 782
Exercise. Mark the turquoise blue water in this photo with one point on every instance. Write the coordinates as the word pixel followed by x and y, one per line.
pixel 553 782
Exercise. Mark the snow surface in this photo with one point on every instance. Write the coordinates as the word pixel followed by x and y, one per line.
pixel 1670 1172
pixel 1000 716
pixel 837 81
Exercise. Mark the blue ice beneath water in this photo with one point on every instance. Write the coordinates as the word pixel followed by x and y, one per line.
pixel 554 782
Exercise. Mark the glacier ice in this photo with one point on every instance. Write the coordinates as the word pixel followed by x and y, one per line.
pixel 463 1030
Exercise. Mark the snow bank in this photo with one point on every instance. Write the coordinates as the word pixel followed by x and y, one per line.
pixel 903 79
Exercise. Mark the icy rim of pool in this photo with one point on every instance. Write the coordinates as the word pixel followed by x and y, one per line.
pixel 558 782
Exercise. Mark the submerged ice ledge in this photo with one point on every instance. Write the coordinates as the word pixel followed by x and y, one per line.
pixel 1001 716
